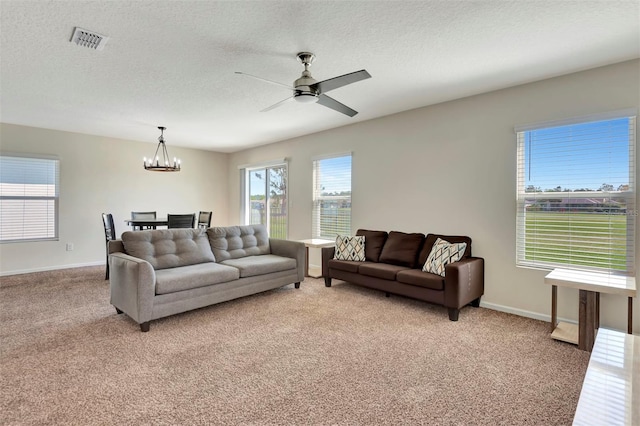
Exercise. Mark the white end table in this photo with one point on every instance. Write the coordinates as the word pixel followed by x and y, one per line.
pixel 314 243
pixel 590 284
pixel 611 389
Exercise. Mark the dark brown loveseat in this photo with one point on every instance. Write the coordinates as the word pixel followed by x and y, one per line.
pixel 393 263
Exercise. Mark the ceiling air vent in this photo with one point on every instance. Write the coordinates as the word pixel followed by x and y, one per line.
pixel 88 39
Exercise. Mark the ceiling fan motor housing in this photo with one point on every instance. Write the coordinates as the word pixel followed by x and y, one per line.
pixel 304 93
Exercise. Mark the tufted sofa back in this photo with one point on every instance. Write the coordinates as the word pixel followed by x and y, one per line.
pixel 169 248
pixel 232 242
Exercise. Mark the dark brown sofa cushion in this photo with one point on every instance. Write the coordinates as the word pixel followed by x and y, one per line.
pixel 401 249
pixel 345 265
pixel 431 240
pixel 373 242
pixel 421 279
pixel 381 270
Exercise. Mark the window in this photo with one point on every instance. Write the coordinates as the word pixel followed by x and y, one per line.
pixel 576 195
pixel 266 200
pixel 332 197
pixel 28 198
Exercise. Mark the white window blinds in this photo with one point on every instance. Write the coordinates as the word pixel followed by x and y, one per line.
pixel 576 196
pixel 332 197
pixel 28 198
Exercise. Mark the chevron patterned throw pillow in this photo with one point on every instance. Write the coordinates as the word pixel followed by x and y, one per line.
pixel 443 253
pixel 349 248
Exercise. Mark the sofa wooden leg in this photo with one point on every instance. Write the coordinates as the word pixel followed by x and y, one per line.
pixel 297 285
pixel 144 327
pixel 475 303
pixel 327 281
pixel 118 311
pixel 453 314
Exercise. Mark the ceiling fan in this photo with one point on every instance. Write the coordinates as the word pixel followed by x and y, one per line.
pixel 307 90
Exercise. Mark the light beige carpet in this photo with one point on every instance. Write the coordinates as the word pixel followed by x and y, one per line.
pixel 343 355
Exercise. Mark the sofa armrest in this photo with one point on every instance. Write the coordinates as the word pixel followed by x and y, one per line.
pixel 464 282
pixel 327 255
pixel 292 249
pixel 133 286
pixel 115 246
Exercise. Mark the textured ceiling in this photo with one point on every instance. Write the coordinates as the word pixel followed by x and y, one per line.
pixel 172 63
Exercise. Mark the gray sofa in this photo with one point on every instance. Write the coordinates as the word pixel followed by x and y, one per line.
pixel 157 273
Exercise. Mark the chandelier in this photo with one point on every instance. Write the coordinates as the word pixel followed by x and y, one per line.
pixel 156 164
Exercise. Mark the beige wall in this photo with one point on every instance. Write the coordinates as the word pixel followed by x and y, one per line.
pixel 451 168
pixel 106 175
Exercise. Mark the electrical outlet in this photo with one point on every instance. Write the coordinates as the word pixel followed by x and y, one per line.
pixel 69 246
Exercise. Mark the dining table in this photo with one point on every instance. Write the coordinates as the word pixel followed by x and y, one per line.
pixel 152 222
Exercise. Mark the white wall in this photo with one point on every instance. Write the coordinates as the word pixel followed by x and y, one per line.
pixel 106 175
pixel 451 169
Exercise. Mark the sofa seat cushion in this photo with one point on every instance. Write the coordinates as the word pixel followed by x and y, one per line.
pixel 182 278
pixel 401 249
pixel 234 242
pixel 421 279
pixel 380 270
pixel 344 265
pixel 259 265
pixel 169 248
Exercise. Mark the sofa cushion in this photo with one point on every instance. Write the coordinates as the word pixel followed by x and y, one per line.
pixel 384 271
pixel 421 279
pixel 431 239
pixel 259 265
pixel 373 243
pixel 401 249
pixel 344 265
pixel 233 242
pixel 349 248
pixel 193 276
pixel 442 254
pixel 168 248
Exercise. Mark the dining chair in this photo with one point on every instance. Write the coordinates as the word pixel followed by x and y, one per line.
pixel 143 215
pixel 181 220
pixel 109 234
pixel 204 220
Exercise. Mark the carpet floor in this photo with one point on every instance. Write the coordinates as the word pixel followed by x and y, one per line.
pixel 343 355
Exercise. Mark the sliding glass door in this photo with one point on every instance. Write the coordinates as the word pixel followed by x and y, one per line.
pixel 267 199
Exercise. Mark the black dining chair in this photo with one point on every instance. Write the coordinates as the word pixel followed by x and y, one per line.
pixel 181 220
pixel 143 215
pixel 204 219
pixel 109 234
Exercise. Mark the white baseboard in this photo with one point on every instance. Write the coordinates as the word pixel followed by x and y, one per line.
pixel 50 268
pixel 523 313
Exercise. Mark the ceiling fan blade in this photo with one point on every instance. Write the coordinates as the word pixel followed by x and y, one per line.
pixel 343 80
pixel 335 105
pixel 276 105
pixel 264 79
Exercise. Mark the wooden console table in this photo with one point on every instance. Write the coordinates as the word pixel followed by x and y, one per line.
pixel 590 284
pixel 611 390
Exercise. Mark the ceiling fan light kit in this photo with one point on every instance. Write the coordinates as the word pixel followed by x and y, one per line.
pixel 307 90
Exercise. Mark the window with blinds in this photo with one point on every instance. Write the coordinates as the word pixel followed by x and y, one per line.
pixel 576 195
pixel 332 197
pixel 28 198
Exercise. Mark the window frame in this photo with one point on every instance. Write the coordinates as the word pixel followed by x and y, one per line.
pixel 318 198
pixel 628 195
pixel 55 162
